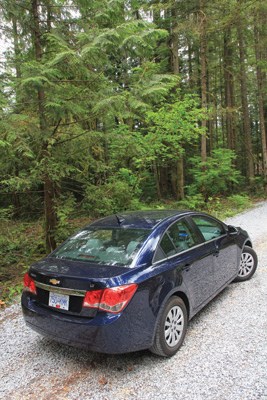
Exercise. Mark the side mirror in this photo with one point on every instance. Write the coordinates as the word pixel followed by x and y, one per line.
pixel 232 230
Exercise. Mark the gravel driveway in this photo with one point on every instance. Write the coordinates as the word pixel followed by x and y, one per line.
pixel 224 355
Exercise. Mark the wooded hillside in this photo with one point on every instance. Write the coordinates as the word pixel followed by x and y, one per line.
pixel 109 104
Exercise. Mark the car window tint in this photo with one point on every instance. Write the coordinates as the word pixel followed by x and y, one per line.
pixel 110 246
pixel 159 255
pixel 209 228
pixel 167 245
pixel 178 237
pixel 182 236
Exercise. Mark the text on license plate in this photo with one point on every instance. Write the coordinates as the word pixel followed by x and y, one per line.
pixel 60 301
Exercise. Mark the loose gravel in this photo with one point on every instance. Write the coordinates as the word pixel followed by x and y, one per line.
pixel 224 355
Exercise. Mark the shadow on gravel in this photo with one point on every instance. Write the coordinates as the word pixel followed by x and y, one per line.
pixel 119 365
pixel 101 368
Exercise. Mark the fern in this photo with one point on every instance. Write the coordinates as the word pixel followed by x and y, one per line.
pixel 112 103
pixel 57 41
pixel 35 82
pixel 67 56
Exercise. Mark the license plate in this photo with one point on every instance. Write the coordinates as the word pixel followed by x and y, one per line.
pixel 60 301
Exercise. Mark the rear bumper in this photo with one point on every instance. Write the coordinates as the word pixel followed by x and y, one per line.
pixel 129 331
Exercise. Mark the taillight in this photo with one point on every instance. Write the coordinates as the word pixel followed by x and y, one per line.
pixel 29 284
pixel 112 300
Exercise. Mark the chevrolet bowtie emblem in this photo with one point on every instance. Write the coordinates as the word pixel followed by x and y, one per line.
pixel 54 281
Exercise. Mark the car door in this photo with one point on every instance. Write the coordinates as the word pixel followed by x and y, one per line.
pixel 225 254
pixel 182 246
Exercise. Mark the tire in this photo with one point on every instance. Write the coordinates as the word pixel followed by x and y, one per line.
pixel 171 328
pixel 248 265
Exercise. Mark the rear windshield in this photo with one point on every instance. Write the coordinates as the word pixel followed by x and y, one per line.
pixel 110 246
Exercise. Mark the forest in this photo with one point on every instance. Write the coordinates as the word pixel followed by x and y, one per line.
pixel 119 105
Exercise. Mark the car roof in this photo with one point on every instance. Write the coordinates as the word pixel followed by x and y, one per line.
pixel 138 219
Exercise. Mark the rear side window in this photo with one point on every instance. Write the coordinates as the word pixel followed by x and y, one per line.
pixel 178 237
pixel 209 228
pixel 167 245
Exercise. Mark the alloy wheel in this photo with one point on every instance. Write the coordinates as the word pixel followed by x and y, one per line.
pixel 246 264
pixel 174 326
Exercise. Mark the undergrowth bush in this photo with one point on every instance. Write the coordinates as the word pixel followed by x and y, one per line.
pixel 217 176
pixel 120 193
pixel 193 202
pixel 65 209
pixel 20 244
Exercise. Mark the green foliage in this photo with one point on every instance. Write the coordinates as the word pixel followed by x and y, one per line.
pixel 65 208
pixel 12 291
pixel 19 239
pixel 20 244
pixel 127 176
pixel 194 202
pixel 6 213
pixel 171 127
pixel 102 115
pixel 119 193
pixel 215 176
pixel 238 203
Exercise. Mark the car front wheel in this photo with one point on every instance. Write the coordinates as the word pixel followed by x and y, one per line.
pixel 248 264
pixel 171 328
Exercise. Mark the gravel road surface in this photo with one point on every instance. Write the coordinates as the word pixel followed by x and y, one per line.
pixel 224 355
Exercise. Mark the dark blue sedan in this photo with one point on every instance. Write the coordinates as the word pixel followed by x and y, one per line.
pixel 132 281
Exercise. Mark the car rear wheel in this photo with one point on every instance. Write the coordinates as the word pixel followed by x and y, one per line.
pixel 171 328
pixel 248 264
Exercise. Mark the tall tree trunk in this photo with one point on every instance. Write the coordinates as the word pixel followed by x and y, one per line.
pixel 190 64
pixel 177 171
pixel 180 174
pixel 229 90
pixel 49 187
pixel 163 173
pixel 258 52
pixel 245 109
pixel 203 78
pixel 16 46
pixel 157 179
pixel 174 42
pixel 18 106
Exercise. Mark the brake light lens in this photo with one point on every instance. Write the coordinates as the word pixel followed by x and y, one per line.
pixel 29 284
pixel 112 300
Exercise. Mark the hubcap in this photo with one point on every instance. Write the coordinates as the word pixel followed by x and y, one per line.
pixel 174 325
pixel 246 264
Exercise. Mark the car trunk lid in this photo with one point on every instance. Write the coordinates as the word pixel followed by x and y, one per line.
pixel 62 284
